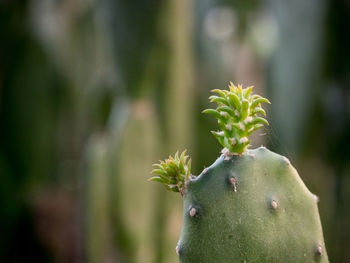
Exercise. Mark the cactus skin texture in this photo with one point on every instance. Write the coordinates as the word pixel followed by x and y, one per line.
pixel 250 208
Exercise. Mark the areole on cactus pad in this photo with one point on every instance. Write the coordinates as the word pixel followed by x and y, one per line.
pixel 250 205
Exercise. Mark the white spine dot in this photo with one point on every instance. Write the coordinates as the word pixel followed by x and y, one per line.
pixel 233 183
pixel 233 141
pixel 193 212
pixel 177 249
pixel 286 160
pixel 243 140
pixel 319 250
pixel 223 113
pixel 221 133
pixel 248 119
pixel 274 204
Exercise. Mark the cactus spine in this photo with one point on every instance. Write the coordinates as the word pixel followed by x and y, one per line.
pixel 250 205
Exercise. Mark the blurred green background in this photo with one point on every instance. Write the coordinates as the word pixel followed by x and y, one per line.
pixel 92 92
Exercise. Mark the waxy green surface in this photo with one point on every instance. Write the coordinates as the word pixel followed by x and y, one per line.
pixel 250 208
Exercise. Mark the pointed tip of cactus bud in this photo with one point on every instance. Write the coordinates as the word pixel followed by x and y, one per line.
pixel 228 127
pixel 221 133
pixel 243 140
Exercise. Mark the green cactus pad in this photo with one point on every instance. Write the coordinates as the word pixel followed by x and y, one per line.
pixel 173 172
pixel 250 208
pixel 238 117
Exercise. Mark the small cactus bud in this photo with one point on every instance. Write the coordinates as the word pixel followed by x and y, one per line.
pixel 237 113
pixel 174 172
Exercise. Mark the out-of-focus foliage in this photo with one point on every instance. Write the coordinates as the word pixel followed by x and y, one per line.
pixel 93 92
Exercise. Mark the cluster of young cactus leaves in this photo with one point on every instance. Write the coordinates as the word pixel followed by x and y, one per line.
pixel 250 205
pixel 239 114
pixel 173 172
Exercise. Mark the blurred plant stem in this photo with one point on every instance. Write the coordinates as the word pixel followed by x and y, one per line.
pixel 180 93
pixel 98 246
pixel 179 121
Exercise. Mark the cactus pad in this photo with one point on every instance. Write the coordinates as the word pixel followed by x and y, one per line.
pixel 250 208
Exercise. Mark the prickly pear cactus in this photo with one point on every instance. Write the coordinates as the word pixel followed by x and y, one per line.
pixel 250 205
